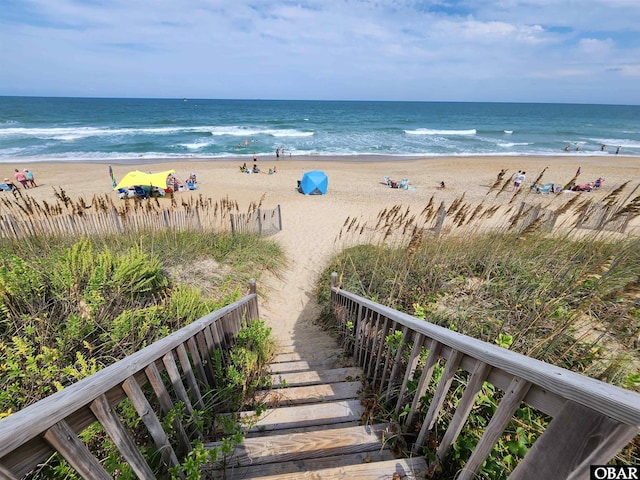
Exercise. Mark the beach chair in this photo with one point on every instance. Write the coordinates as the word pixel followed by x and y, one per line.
pixel 141 193
pixel 546 188
pixel 405 184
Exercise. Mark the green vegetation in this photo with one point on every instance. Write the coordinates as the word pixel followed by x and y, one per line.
pixel 71 307
pixel 570 300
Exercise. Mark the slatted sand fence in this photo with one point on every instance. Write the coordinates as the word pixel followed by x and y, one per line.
pixel 590 421
pixel 21 216
pixel 260 221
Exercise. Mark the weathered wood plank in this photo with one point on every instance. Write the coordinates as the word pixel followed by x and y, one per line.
pixel 176 381
pixel 418 341
pixel 149 418
pixel 425 379
pixel 501 418
pixel 310 356
pixel 7 474
pixel 303 446
pixel 397 362
pixel 438 398
pixel 335 375
pixel 575 439
pixel 307 415
pixel 185 363
pixel 67 444
pixel 303 365
pixel 121 438
pixel 464 408
pixel 166 404
pixel 309 394
pixel 402 469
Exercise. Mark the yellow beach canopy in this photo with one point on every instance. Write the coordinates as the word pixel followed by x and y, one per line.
pixel 144 179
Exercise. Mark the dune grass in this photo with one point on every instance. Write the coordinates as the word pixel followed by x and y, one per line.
pixel 69 307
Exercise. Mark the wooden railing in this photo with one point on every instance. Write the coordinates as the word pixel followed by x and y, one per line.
pixel 178 368
pixel 591 420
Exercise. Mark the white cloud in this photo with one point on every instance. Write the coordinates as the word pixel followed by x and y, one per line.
pixel 308 49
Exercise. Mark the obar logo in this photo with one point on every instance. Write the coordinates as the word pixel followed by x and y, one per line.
pixel 615 472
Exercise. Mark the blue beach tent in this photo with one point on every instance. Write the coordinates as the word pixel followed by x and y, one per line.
pixel 314 183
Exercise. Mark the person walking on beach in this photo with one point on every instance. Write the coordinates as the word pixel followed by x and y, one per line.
pixel 501 174
pixel 618 150
pixel 30 180
pixel 518 180
pixel 277 153
pixel 22 178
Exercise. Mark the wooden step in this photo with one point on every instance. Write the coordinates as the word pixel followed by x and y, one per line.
pixel 398 469
pixel 309 394
pixel 277 470
pixel 292 447
pixel 307 345
pixel 305 365
pixel 307 415
pixel 297 379
pixel 292 355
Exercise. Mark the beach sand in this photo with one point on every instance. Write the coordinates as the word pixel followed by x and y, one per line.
pixel 312 223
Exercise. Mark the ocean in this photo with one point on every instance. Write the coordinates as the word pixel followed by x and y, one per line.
pixel 101 130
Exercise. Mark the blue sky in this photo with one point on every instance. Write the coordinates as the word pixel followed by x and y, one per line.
pixel 582 51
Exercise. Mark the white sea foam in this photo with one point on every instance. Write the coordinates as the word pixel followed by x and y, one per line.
pixel 508 132
pixel 236 131
pixel 194 145
pixel 76 133
pixel 428 131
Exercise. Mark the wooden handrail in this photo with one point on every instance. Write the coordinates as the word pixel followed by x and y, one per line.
pixel 612 412
pixel 75 406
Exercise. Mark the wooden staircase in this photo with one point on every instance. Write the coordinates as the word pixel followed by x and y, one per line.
pixel 313 427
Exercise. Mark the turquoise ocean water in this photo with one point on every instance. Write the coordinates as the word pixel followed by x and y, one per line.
pixel 126 130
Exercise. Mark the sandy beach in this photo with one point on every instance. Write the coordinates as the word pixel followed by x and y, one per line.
pixel 356 189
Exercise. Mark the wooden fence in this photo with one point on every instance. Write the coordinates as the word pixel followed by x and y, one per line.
pixel 591 420
pixel 177 368
pixel 261 222
pixel 23 217
pixel 604 217
pixel 530 213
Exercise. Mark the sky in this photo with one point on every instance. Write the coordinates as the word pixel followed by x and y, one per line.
pixel 560 51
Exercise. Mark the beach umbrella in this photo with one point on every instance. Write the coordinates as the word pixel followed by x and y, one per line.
pixel 113 178
pixel 144 179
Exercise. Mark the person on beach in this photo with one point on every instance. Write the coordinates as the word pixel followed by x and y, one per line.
pixel 10 184
pixel 277 153
pixel 518 180
pixel 566 149
pixel 618 150
pixel 442 185
pixel 30 180
pixel 501 174
pixel 22 178
pixel 255 157
pixel 603 147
